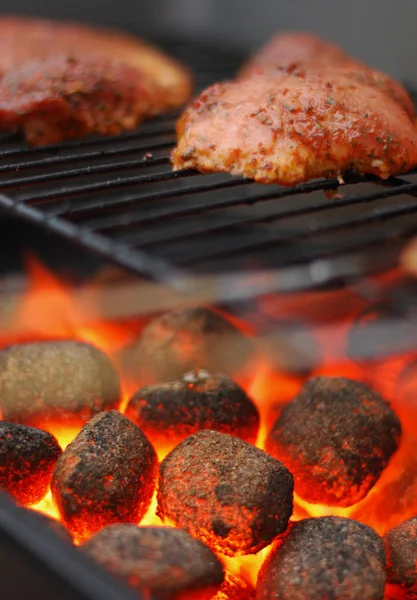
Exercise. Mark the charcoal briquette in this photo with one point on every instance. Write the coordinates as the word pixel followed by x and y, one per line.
pixel 170 412
pixel 401 549
pixel 106 475
pixel 336 437
pixel 231 495
pixel 185 339
pixel 329 558
pixel 57 381
pixel 163 561
pixel 27 459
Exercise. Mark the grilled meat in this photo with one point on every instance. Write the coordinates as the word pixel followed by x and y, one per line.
pixel 287 128
pixel 290 51
pixel 301 53
pixel 60 81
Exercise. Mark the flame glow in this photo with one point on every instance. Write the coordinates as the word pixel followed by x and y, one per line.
pixel 49 311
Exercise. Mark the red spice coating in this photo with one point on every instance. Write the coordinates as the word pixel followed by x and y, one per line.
pixel 330 558
pixel 401 550
pixel 185 339
pixel 231 495
pixel 106 475
pixel 298 52
pixel 61 80
pixel 163 561
pixel 61 380
pixel 27 459
pixel 288 129
pixel 336 437
pixel 169 412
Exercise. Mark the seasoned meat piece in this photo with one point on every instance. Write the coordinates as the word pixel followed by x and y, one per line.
pixel 63 80
pixel 288 129
pixel 64 98
pixel 301 53
pixel 293 50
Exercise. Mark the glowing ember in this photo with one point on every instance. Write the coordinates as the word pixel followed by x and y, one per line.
pixel 95 483
pixel 52 311
pixel 224 491
pixel 166 561
pixel 169 412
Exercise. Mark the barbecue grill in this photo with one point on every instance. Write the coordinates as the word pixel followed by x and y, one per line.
pixel 213 237
pixel 120 198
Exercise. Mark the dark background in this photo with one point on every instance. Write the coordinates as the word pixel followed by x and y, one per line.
pixel 381 32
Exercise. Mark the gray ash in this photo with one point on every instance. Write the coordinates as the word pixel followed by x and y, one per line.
pixel 336 437
pixel 170 412
pixel 106 475
pixel 330 558
pixel 163 561
pixel 231 495
pixel 59 380
pixel 401 548
pixel 186 339
pixel 27 459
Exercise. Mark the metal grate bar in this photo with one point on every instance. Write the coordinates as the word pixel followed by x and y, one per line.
pixel 266 239
pixel 79 172
pixel 77 211
pixel 258 239
pixel 72 190
pixel 51 161
pixel 231 220
pixel 119 197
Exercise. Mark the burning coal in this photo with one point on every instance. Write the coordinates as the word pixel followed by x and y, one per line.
pixel 106 475
pixel 336 437
pixel 27 459
pixel 161 560
pixel 59 380
pixel 329 557
pixel 220 509
pixel 185 339
pixel 226 492
pixel 170 412
pixel 401 549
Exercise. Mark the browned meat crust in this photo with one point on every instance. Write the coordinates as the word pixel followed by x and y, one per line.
pixel 292 50
pixel 60 80
pixel 286 129
pixel 300 53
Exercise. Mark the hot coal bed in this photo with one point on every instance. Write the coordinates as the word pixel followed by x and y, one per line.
pixel 216 451
pixel 191 464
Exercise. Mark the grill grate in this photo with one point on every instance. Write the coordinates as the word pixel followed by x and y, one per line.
pixel 120 198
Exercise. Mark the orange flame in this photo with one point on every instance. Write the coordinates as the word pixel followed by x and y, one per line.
pixel 51 310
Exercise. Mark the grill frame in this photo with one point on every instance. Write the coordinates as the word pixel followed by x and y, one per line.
pixel 119 198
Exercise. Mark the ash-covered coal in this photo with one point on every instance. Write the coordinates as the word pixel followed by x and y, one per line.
pixel 401 550
pixel 59 380
pixel 53 524
pixel 106 475
pixel 186 339
pixel 336 437
pixel 163 561
pixel 27 459
pixel 330 558
pixel 231 495
pixel 170 412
